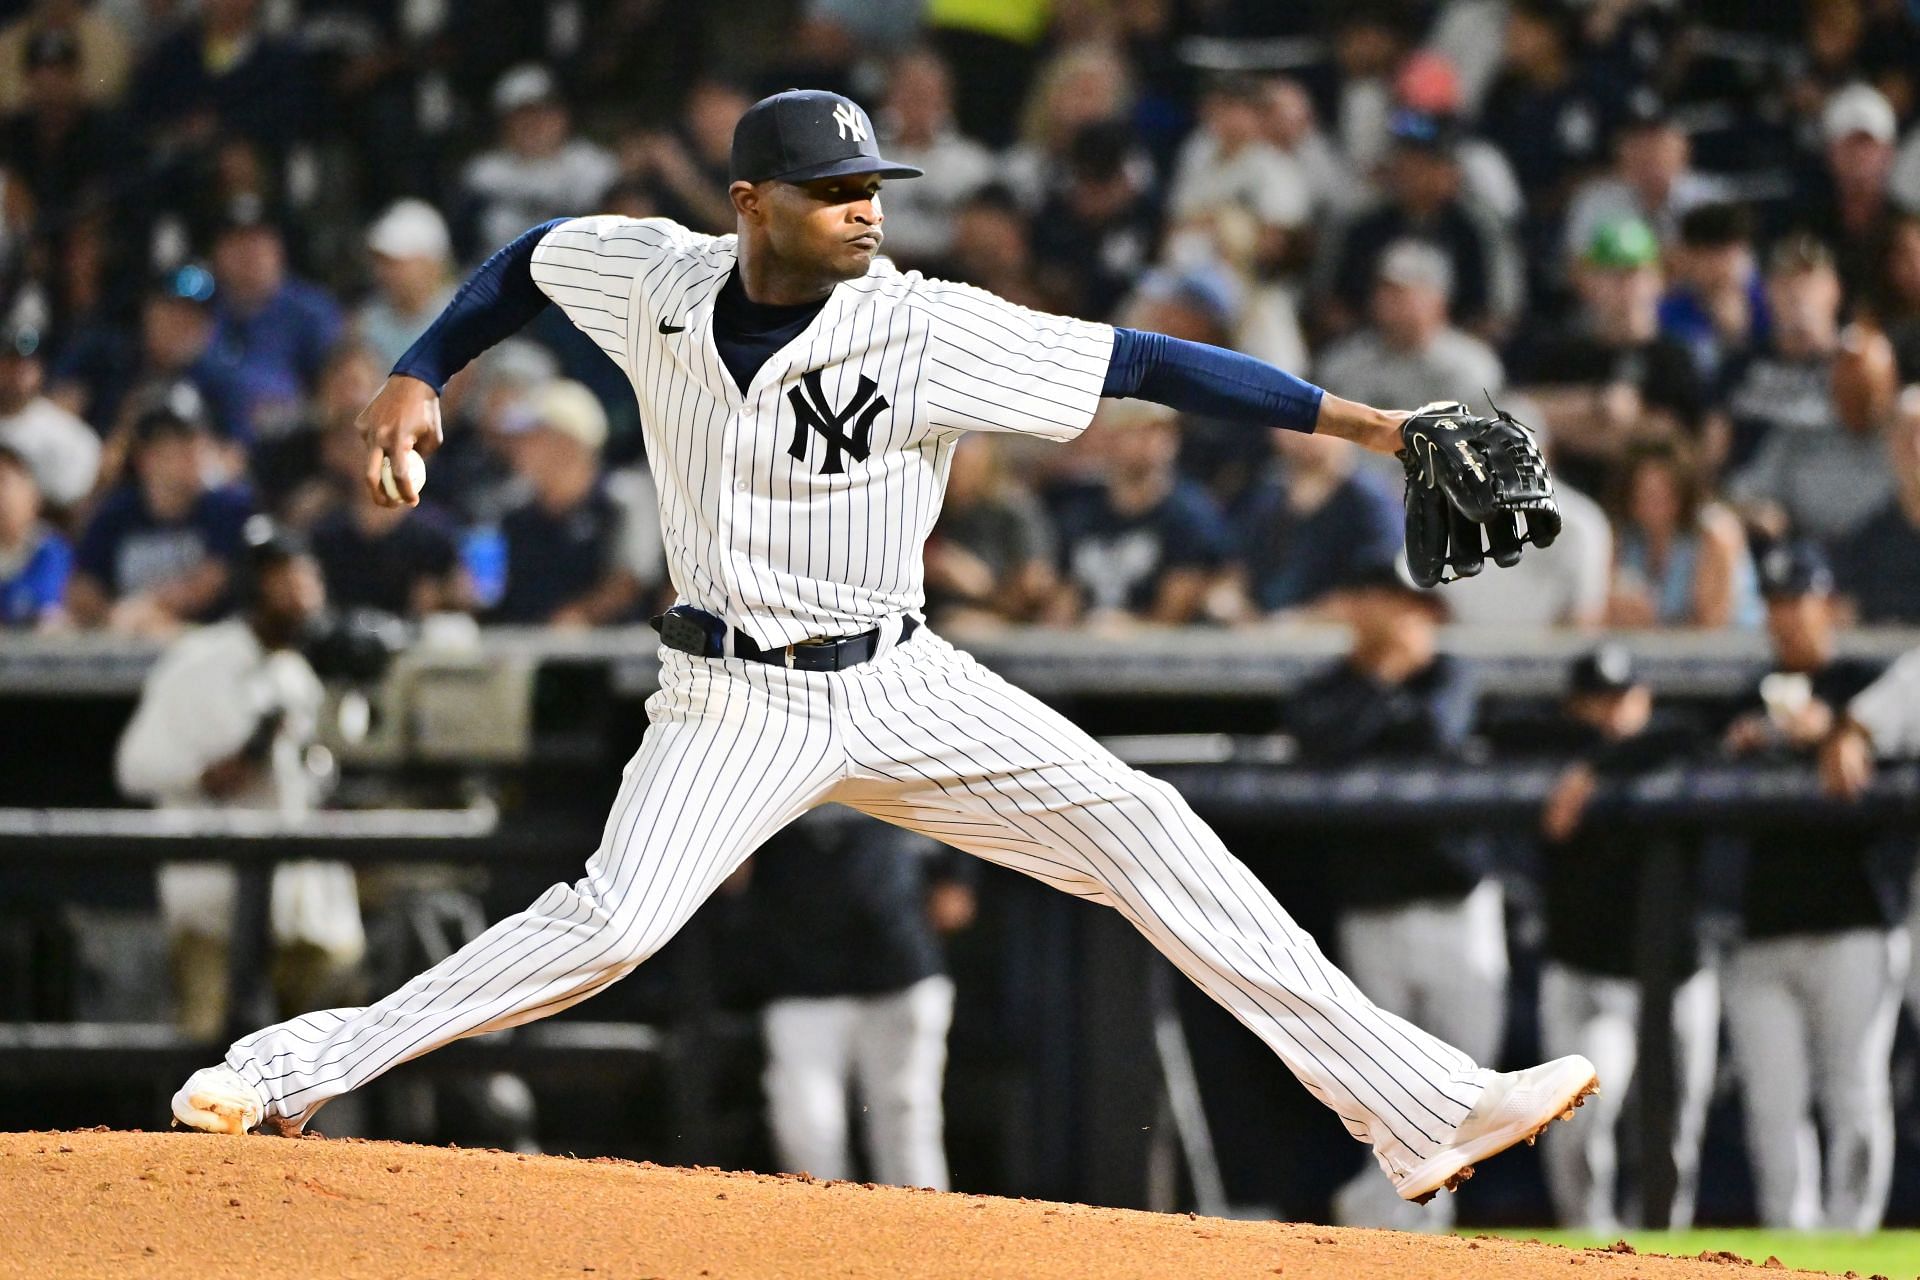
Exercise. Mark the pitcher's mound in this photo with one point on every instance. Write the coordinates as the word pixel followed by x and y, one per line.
pixel 197 1206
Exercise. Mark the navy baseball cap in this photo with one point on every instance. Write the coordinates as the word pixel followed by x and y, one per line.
pixel 1608 669
pixel 804 134
pixel 1789 570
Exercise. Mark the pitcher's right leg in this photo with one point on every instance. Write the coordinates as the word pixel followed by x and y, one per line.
pixel 734 751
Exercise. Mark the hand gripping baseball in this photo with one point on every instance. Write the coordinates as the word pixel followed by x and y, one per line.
pixel 1466 472
pixel 400 421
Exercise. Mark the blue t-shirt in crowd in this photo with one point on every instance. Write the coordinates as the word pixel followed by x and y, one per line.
pixel 37 584
pixel 106 360
pixel 1119 560
pixel 1294 558
pixel 555 559
pixel 1875 565
pixel 130 550
pixel 279 349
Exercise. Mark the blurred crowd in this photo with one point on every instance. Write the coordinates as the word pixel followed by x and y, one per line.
pixel 1682 240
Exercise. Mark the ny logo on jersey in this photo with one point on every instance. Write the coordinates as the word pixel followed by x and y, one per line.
pixel 847 116
pixel 812 412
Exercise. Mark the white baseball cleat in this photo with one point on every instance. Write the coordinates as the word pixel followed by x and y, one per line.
pixel 1516 1107
pixel 218 1100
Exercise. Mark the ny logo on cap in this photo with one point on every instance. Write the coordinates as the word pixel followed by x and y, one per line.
pixel 847 116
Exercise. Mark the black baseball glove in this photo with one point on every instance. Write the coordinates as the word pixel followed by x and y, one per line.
pixel 1464 472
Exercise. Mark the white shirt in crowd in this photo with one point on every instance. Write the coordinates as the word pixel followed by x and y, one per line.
pixel 62 451
pixel 1258 177
pixel 1889 708
pixel 1559 585
pixel 517 192
pixel 920 213
pixel 201 704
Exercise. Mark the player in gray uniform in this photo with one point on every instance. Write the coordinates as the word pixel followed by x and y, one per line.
pixel 800 399
pixel 1813 988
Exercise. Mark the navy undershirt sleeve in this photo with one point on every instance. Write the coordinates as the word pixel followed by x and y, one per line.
pixel 1196 378
pixel 496 302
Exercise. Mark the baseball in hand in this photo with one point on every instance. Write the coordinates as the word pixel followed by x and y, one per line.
pixel 416 472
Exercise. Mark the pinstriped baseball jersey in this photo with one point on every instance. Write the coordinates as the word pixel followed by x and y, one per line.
pixel 798 507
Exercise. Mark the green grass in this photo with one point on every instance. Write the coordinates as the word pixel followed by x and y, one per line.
pixel 1895 1254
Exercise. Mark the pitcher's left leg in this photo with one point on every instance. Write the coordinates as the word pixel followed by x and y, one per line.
pixel 947 748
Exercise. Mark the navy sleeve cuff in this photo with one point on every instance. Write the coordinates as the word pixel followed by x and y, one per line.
pixel 1195 378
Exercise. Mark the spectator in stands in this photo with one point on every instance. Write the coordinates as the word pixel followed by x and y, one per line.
pixel 1876 564
pixel 1144 544
pixel 1652 178
pixel 1424 202
pixel 1544 113
pixel 1825 484
pixel 1428 82
pixel 34 559
pixel 100 54
pixel 992 248
pixel 1716 303
pixel 1901 294
pixel 398 560
pixel 1410 354
pixel 1564 585
pixel 1004 89
pixel 1312 523
pixel 98 373
pixel 991 555
pixel 1589 996
pixel 1095 233
pixel 564 563
pixel 227 719
pixel 1611 376
pixel 539 170
pixel 1813 989
pixel 858 999
pixel 473 471
pixel 274 328
pixel 1369 43
pixel 412 260
pixel 1226 164
pixel 1680 560
pixel 158 552
pixel 920 131
pixel 1292 128
pixel 1422 927
pixel 62 450
pixel 1787 385
pixel 59 142
pixel 1846 204
pixel 686 169
pixel 219 72
pixel 1081 85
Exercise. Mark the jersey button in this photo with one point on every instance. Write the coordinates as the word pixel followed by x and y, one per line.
pixel 739 486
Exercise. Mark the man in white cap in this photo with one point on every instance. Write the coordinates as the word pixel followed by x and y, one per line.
pixel 539 170
pixel 1848 203
pixel 567 545
pixel 412 258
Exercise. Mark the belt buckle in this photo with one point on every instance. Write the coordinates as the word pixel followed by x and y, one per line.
pixel 789 653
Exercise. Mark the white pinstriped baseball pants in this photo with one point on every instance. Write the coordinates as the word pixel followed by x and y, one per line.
pixel 925 737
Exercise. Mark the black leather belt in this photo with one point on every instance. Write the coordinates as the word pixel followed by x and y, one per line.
pixel 703 635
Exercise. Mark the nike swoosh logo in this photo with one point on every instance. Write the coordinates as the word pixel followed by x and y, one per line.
pixel 672 328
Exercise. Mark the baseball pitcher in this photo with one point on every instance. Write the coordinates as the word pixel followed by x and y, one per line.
pixel 801 399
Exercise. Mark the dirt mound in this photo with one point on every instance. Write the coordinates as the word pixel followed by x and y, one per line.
pixel 192 1205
